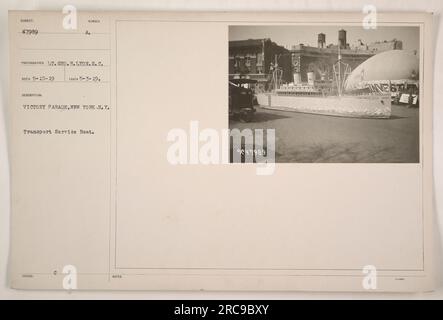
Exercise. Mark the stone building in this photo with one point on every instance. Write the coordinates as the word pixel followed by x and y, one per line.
pixel 253 58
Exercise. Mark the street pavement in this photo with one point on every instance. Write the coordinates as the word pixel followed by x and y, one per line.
pixel 306 138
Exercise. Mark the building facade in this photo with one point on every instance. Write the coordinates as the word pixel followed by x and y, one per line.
pixel 255 58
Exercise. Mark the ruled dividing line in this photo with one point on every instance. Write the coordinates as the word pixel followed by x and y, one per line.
pixel 67 81
pixel 66 49
pixel 68 66
pixel 68 33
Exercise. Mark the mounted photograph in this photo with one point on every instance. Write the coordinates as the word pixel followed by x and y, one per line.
pixel 331 93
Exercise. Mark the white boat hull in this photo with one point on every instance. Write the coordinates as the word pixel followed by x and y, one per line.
pixel 367 106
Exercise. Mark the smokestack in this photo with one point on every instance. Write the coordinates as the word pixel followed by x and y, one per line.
pixel 342 39
pixel 321 40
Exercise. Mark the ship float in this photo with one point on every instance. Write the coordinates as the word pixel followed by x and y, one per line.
pixel 324 97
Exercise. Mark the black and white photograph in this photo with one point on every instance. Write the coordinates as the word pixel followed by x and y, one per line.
pixel 332 93
pixel 221 158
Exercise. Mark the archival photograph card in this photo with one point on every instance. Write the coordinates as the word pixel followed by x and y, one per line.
pixel 221 151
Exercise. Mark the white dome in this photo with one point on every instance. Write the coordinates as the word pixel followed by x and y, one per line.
pixel 388 65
